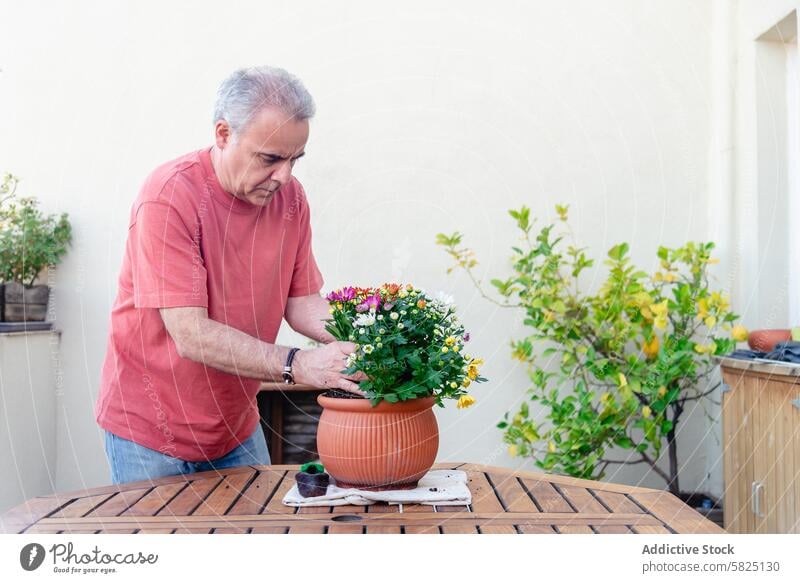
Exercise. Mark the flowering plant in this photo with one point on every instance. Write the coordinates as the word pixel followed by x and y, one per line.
pixel 408 344
pixel 615 367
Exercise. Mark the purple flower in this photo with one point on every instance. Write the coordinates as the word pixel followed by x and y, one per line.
pixel 388 306
pixel 466 337
pixel 341 295
pixel 370 303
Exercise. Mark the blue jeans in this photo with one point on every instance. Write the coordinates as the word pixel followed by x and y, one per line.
pixel 131 462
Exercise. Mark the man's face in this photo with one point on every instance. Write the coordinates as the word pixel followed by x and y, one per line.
pixel 260 160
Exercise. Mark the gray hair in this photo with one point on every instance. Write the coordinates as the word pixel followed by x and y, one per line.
pixel 242 95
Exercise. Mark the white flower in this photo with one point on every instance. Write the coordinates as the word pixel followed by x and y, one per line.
pixel 368 349
pixel 382 330
pixel 380 316
pixel 401 325
pixel 394 315
pixel 364 320
pixel 443 299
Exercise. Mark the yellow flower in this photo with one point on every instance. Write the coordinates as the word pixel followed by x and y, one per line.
pixel 445 349
pixel 670 277
pixel 712 261
pixel 660 311
pixel 705 348
pixel 466 382
pixel 454 385
pixel 450 340
pixel 658 276
pixel 650 348
pixel 739 333
pixel 662 391
pixel 646 412
pixel 465 401
pixel 719 301
pixel 702 308
pixel 710 321
pixel 512 450
pixel 551 447
pixel 623 382
pixel 605 397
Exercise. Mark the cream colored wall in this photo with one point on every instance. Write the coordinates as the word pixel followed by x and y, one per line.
pixel 29 389
pixel 430 118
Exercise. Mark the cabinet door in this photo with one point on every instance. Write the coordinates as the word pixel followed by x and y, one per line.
pixel 737 430
pixel 776 456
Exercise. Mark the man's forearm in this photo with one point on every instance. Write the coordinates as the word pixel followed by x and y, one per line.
pixel 307 316
pixel 232 351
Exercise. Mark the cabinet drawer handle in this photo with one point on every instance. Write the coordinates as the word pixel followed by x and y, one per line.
pixel 755 498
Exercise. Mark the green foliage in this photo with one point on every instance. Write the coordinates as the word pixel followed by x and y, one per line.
pixel 614 368
pixel 29 240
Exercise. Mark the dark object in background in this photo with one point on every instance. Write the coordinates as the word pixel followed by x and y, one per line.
pixel 312 480
pixel 20 303
pixel 289 420
pixel 784 352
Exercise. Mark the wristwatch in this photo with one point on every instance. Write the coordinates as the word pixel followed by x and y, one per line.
pixel 288 377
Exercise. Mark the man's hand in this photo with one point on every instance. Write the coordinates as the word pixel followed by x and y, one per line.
pixel 322 367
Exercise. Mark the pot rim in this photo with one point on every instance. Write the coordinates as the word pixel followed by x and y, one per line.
pixel 364 405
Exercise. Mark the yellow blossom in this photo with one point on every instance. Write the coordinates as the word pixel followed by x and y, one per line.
pixel 466 382
pixel 445 349
pixel 646 412
pixel 739 333
pixel 551 447
pixel 710 321
pixel 465 401
pixel 450 340
pixel 670 277
pixel 658 276
pixel 454 385
pixel 712 261
pixel 702 308
pixel 705 348
pixel 719 301
pixel 660 312
pixel 605 397
pixel 650 348
pixel 623 382
pixel 512 450
pixel 662 391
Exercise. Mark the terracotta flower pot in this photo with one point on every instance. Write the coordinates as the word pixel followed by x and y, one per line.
pixel 765 340
pixel 386 447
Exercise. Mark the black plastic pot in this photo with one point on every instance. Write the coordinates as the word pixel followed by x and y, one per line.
pixel 312 482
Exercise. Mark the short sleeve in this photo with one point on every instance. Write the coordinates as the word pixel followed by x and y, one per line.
pixel 168 268
pixel 306 277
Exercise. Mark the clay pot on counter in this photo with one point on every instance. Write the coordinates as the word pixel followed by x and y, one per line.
pixel 766 340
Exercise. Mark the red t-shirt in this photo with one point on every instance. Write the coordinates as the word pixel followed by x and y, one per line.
pixel 190 243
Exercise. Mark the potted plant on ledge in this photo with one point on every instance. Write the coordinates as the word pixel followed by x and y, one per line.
pixel 411 347
pixel 30 241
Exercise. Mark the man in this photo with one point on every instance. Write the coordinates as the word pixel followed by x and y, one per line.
pixel 218 252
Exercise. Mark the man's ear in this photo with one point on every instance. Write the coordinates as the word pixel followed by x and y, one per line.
pixel 222 134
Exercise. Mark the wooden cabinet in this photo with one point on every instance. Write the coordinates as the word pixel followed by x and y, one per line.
pixel 761 440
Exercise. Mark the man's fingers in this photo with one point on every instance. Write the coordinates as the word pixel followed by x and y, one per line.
pixel 346 347
pixel 350 387
pixel 358 376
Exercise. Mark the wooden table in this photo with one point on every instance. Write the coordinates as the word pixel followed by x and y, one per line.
pixel 248 500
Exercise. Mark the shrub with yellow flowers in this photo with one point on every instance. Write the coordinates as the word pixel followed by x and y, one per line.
pixel 408 344
pixel 614 368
